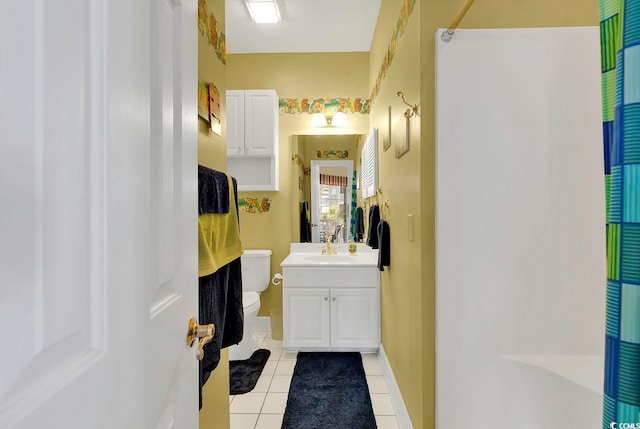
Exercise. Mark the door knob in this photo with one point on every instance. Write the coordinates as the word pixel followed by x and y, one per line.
pixel 204 332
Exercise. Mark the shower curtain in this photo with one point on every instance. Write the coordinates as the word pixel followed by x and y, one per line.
pixel 620 40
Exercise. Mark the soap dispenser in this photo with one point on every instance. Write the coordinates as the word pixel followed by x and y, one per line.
pixel 353 247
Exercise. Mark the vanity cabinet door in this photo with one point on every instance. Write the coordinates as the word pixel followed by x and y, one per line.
pixel 355 318
pixel 306 318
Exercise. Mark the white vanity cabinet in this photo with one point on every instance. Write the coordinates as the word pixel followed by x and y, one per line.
pixel 253 138
pixel 343 317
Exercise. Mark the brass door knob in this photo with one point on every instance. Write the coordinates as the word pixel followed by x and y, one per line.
pixel 204 332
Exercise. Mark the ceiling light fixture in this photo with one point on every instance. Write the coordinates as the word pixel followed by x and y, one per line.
pixel 263 11
pixel 338 120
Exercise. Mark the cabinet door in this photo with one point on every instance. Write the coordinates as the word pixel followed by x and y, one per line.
pixel 235 123
pixel 261 122
pixel 355 318
pixel 306 318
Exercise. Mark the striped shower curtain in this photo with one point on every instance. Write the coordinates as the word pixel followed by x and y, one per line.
pixel 620 37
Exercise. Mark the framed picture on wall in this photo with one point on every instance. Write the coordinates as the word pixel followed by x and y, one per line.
pixel 203 101
pixel 214 109
pixel 402 138
pixel 386 139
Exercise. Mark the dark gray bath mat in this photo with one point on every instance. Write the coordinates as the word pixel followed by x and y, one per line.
pixel 244 374
pixel 329 390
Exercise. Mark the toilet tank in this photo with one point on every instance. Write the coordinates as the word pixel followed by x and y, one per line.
pixel 256 270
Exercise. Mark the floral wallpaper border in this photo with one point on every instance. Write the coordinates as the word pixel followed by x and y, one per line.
pixel 297 159
pixel 208 26
pixel 324 105
pixel 401 25
pixel 254 205
pixel 333 154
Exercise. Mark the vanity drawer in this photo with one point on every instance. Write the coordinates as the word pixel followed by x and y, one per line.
pixel 335 277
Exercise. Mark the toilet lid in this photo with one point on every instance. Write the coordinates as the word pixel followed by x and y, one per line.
pixel 249 298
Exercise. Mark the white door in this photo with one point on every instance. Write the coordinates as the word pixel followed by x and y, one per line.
pixel 355 319
pixel 306 318
pixel 98 250
pixel 315 202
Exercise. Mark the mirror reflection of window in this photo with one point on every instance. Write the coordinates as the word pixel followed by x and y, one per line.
pixel 333 208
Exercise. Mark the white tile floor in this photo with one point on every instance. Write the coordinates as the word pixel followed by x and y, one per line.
pixel 263 407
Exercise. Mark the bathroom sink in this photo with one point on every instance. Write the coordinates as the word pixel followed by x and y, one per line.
pixel 332 259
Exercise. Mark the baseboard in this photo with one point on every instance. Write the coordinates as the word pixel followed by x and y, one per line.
pixel 402 415
pixel 263 324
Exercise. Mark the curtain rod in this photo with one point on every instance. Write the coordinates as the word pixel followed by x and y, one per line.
pixel 447 35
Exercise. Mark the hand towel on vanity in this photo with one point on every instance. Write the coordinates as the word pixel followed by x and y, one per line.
pixel 220 283
pixel 384 240
pixel 372 232
pixel 213 191
pixel 359 224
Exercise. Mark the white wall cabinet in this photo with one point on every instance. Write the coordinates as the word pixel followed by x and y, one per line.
pixel 331 318
pixel 253 139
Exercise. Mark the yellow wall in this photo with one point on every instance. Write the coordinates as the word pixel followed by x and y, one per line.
pixel 484 14
pixel 212 153
pixel 400 182
pixel 293 76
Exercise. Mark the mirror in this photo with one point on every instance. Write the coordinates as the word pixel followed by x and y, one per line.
pixel 324 178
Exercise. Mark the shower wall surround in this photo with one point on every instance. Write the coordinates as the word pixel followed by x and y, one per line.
pixel 520 239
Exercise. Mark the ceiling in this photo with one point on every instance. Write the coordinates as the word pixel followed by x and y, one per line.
pixel 306 26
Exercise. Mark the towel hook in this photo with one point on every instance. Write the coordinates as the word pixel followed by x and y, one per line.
pixel 414 107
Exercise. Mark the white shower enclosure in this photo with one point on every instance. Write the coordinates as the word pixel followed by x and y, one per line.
pixel 520 230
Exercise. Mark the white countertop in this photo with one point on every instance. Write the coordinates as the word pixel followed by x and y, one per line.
pixel 309 255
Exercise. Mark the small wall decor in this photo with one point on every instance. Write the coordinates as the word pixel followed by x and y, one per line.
pixel 324 105
pixel 208 26
pixel 402 140
pixel 386 138
pixel 332 154
pixel 214 109
pixel 254 205
pixel 203 101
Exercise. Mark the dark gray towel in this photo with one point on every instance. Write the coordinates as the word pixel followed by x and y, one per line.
pixel 213 191
pixel 384 239
pixel 374 219
pixel 359 224
pixel 221 304
pixel 305 226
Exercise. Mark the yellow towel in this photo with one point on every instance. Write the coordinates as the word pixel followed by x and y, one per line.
pixel 218 238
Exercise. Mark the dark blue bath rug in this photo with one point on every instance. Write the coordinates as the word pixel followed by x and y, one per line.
pixel 329 390
pixel 244 374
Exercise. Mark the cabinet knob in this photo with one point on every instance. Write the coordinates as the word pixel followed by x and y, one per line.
pixel 334 298
pixel 326 298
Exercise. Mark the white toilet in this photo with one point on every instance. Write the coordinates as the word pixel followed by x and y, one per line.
pixel 256 273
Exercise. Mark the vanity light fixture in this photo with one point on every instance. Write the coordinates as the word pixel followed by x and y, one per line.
pixel 338 120
pixel 263 11
pixel 414 107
